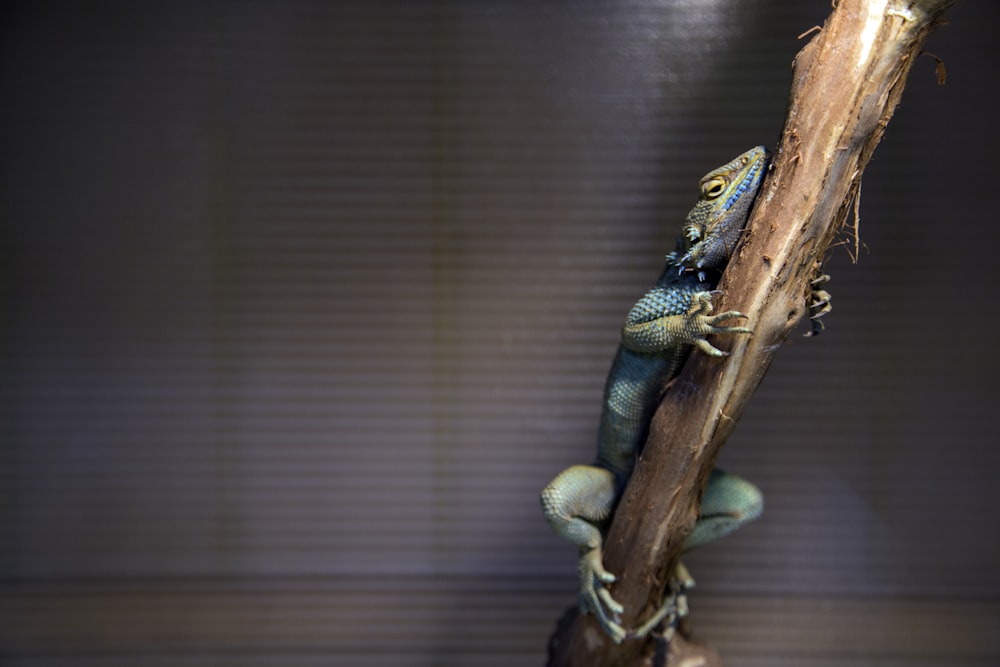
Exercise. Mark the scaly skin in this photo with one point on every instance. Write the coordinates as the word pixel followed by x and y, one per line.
pixel 659 332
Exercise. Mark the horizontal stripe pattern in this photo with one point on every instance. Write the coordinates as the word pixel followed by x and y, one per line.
pixel 303 303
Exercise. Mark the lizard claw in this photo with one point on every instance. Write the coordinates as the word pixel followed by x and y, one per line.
pixel 818 304
pixel 685 328
pixel 674 607
pixel 701 323
pixel 595 596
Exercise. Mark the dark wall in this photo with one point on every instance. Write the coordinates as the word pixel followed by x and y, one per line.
pixel 303 303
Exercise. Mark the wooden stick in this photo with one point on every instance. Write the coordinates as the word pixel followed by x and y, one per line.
pixel 846 84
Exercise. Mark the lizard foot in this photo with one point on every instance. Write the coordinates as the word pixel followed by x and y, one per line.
pixel 818 304
pixel 673 609
pixel 701 322
pixel 595 596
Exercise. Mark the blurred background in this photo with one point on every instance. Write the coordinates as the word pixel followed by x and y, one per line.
pixel 303 303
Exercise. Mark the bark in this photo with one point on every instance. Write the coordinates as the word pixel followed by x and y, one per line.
pixel 846 84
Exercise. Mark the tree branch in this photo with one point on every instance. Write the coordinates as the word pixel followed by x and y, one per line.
pixel 846 84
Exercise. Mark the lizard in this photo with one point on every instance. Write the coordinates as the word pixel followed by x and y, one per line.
pixel 662 327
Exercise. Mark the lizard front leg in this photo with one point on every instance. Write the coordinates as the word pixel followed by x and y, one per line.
pixel 818 302
pixel 576 504
pixel 672 332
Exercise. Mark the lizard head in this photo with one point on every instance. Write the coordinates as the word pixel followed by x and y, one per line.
pixel 714 225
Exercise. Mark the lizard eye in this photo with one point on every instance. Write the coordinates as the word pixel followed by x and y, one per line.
pixel 713 188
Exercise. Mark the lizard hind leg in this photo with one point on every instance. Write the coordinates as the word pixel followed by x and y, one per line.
pixel 576 504
pixel 729 502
